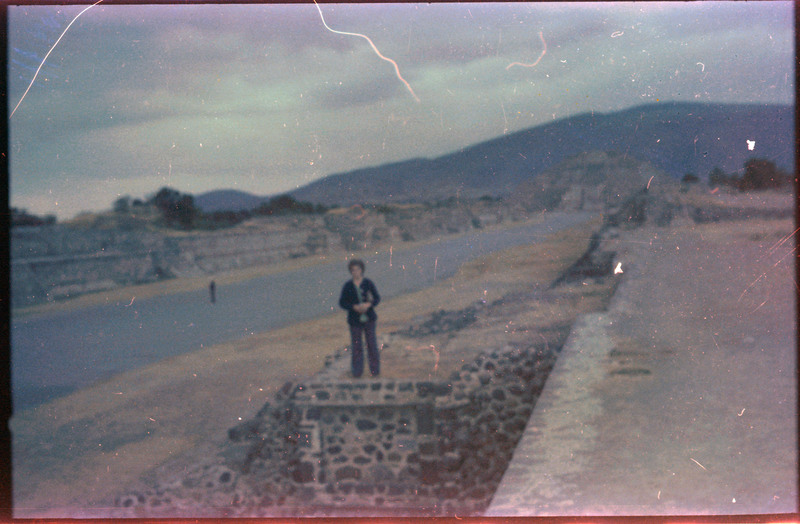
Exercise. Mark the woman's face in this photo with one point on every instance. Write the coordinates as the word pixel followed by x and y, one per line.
pixel 356 272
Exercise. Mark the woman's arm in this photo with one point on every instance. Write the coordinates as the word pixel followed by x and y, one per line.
pixel 347 298
pixel 376 298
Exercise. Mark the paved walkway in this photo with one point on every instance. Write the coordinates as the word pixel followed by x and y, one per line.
pixel 681 398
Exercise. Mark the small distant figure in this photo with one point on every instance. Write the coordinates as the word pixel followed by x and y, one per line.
pixel 212 291
pixel 359 297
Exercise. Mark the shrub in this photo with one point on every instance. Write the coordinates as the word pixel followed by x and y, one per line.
pixel 761 174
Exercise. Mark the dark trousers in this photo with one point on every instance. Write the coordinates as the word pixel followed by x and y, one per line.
pixel 357 358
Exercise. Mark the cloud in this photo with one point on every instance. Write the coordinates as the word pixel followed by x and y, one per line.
pixel 352 94
pixel 242 95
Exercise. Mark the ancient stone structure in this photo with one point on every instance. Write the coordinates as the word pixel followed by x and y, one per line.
pixel 422 447
pixel 57 262
pixel 394 447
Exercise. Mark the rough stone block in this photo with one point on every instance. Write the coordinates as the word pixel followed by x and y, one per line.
pixel 428 448
pixel 304 472
pixel 448 492
pixel 452 461
pixel 395 490
pixel 365 489
pixel 425 419
pixel 322 395
pixel 429 471
pixel 347 472
pixel 365 424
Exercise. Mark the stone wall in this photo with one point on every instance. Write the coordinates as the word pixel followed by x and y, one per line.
pixel 62 261
pixel 414 447
pixel 56 262
pixel 365 447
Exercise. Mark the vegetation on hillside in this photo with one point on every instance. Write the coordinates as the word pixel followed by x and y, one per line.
pixel 21 217
pixel 759 174
pixel 172 209
pixel 176 210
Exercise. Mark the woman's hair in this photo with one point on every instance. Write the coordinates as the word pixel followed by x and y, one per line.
pixel 355 262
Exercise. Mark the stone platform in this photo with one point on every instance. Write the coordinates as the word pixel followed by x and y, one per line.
pixel 681 398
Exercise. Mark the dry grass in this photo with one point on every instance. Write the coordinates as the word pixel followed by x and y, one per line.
pixel 544 320
pixel 519 270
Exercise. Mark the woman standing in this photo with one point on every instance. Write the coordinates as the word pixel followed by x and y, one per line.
pixel 359 298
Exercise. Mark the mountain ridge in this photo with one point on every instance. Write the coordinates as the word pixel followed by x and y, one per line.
pixel 228 200
pixel 675 137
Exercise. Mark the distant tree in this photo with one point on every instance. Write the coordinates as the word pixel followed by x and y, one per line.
pixel 222 219
pixel 761 174
pixel 264 209
pixel 717 178
pixel 21 217
pixel 185 212
pixel 176 208
pixel 164 198
pixel 690 178
pixel 122 205
pixel 283 205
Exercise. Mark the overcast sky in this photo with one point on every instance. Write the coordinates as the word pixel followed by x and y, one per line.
pixel 265 98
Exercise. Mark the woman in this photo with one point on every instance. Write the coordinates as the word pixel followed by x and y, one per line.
pixel 359 298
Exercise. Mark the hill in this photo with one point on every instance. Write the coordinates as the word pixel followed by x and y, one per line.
pixel 676 138
pixel 227 200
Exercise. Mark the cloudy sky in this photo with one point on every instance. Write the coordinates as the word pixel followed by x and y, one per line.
pixel 266 98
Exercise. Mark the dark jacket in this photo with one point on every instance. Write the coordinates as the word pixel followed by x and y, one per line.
pixel 349 298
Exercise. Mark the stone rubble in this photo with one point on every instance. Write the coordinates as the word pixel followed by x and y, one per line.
pixel 418 448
